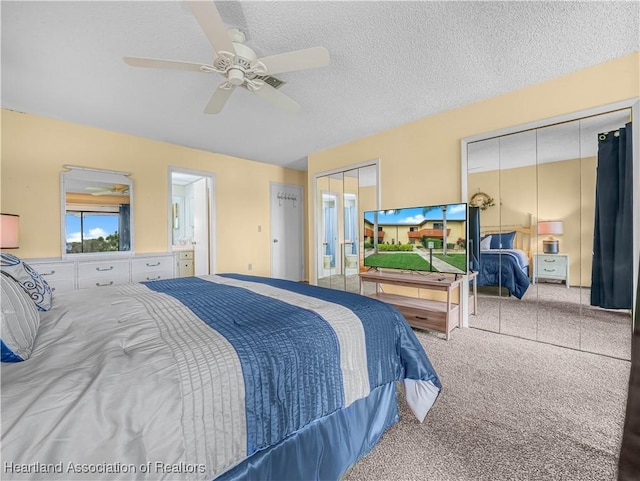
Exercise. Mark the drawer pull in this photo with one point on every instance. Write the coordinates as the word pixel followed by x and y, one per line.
pixel 549 270
pixel 47 273
pixel 153 265
pixel 153 278
pixel 105 284
pixel 549 260
pixel 101 269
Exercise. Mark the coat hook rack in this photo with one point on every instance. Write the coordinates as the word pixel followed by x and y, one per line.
pixel 285 196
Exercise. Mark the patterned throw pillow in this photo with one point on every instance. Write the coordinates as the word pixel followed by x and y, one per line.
pixel 20 321
pixel 33 284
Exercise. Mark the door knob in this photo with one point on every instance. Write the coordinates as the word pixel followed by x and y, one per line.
pixel 275 240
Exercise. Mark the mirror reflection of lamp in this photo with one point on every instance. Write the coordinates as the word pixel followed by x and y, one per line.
pixel 9 231
pixel 550 228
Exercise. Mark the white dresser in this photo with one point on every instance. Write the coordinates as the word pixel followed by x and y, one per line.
pixel 86 272
pixel 551 267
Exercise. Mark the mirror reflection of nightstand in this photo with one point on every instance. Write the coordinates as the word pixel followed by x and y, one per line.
pixel 551 267
pixel 185 263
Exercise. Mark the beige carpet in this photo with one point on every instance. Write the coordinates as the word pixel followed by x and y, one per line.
pixel 510 409
pixel 557 315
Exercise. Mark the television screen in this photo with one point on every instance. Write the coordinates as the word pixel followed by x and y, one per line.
pixel 427 238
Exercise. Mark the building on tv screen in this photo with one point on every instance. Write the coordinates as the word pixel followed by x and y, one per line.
pixel 427 238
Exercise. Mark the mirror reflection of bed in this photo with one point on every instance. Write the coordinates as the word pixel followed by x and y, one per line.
pixel 544 184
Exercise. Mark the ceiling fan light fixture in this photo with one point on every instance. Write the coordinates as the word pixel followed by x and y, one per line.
pixel 235 76
pixel 238 63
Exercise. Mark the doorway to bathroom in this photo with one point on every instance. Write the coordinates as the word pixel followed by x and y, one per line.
pixel 191 221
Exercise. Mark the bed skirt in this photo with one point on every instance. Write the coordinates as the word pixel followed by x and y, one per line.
pixel 326 448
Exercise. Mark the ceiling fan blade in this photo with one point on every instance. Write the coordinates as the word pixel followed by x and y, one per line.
pixel 212 25
pixel 160 63
pixel 219 98
pixel 297 60
pixel 277 98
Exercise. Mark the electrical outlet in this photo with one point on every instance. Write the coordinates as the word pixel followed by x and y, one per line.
pixel 249 267
pixel 259 228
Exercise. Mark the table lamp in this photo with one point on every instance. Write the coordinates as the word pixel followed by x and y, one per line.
pixel 550 227
pixel 9 231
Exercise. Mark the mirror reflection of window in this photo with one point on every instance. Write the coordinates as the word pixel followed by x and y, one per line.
pixel 97 211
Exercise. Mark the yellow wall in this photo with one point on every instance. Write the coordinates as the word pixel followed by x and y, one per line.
pixel 420 161
pixel 34 149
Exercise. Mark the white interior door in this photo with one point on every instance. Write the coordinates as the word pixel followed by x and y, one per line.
pixel 286 232
pixel 200 227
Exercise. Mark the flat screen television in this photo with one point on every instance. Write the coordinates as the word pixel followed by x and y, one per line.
pixel 430 238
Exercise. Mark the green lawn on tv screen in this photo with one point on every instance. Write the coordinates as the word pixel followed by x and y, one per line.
pixel 407 261
pixel 458 261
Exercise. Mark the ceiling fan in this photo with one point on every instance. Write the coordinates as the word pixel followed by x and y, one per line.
pixel 115 189
pixel 238 63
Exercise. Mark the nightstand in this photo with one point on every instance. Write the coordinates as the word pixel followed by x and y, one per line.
pixel 551 267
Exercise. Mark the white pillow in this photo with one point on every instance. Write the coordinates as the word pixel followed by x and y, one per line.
pixel 20 321
pixel 485 244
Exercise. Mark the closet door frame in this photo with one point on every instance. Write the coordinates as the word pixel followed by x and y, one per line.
pixel 314 244
pixel 634 105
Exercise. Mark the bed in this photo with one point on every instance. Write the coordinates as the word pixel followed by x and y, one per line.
pixel 213 377
pixel 505 259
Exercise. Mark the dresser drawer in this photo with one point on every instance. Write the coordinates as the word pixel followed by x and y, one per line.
pixel 152 264
pixel 154 275
pixel 185 255
pixel 55 271
pixel 551 260
pixel 107 279
pixel 552 271
pixel 114 269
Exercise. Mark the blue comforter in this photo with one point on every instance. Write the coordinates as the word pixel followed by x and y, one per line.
pixel 295 344
pixel 506 268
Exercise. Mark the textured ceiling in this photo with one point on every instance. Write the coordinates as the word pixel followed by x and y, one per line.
pixel 391 63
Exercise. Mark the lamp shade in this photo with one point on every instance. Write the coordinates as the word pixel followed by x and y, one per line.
pixel 9 231
pixel 550 227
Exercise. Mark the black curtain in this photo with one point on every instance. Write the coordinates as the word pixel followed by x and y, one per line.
pixel 124 227
pixel 474 239
pixel 612 269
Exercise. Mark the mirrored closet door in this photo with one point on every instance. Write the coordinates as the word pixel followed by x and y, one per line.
pixel 341 199
pixel 553 236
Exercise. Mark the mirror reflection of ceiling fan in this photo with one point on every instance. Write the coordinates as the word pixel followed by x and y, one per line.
pixel 238 63
pixel 115 189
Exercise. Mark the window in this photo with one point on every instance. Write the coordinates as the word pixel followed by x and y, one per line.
pixel 89 231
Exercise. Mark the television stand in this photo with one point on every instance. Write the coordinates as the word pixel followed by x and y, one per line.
pixel 438 315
